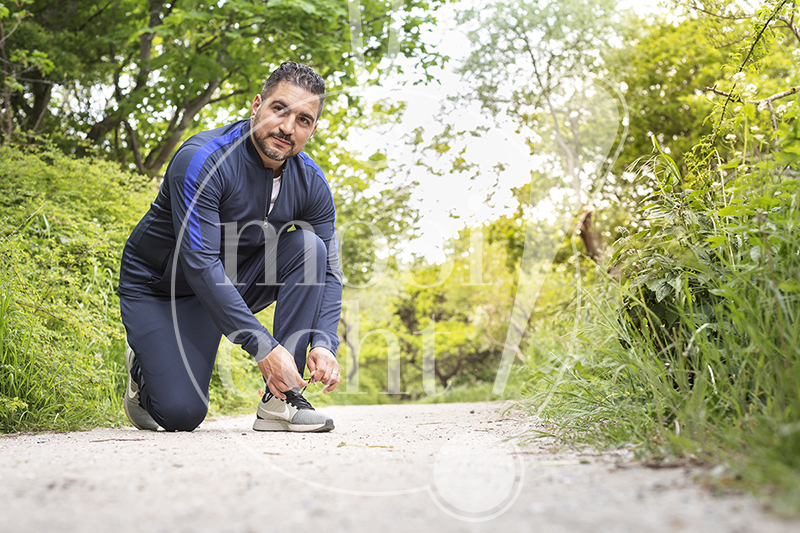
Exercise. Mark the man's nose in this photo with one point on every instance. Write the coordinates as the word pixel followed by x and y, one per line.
pixel 287 125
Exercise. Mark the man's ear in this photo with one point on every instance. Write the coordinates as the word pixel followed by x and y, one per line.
pixel 255 106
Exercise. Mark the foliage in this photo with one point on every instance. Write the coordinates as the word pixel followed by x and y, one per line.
pixel 16 63
pixel 536 63
pixel 63 223
pixel 373 211
pixel 696 354
pixel 419 330
pixel 665 71
pixel 539 66
pixel 136 77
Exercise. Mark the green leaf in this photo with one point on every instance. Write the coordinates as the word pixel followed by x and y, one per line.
pixel 731 210
pixel 789 286
pixel 792 149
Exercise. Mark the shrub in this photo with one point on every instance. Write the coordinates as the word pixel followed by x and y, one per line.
pixel 63 223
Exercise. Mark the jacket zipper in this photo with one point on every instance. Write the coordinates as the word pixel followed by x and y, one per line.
pixel 269 173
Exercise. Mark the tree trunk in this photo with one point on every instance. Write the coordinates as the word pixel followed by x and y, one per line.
pixel 156 159
pixel 41 100
pixel 102 128
pixel 352 371
pixel 591 242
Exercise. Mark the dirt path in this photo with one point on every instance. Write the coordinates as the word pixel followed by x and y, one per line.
pixel 385 468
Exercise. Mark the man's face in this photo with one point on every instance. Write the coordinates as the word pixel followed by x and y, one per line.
pixel 282 123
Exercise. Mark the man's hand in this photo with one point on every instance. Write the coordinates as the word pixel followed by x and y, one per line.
pixel 323 367
pixel 280 372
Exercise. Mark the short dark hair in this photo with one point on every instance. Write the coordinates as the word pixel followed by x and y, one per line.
pixel 297 74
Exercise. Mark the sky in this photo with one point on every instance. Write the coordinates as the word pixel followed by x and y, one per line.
pixel 446 202
pixel 449 201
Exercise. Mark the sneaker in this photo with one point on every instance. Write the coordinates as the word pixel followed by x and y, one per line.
pixel 292 414
pixel 132 404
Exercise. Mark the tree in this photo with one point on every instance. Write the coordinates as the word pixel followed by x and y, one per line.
pixel 669 67
pixel 135 77
pixel 664 70
pixel 16 64
pixel 373 212
pixel 677 76
pixel 539 64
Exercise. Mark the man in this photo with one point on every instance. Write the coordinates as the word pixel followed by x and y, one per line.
pixel 243 219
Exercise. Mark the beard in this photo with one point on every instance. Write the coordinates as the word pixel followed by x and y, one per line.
pixel 272 153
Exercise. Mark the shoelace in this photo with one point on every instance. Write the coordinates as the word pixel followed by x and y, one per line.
pixel 297 400
pixel 294 398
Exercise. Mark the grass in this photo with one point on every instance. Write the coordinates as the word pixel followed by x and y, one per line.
pixel 63 223
pixel 738 409
pixel 45 387
pixel 696 354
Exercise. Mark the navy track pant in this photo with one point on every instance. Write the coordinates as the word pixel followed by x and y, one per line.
pixel 173 381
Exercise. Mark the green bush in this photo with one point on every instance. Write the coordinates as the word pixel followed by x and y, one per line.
pixel 696 353
pixel 63 223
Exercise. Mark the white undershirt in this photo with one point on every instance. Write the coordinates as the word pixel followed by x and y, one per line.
pixel 276 188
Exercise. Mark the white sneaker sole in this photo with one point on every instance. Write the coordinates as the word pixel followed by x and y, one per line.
pixel 281 425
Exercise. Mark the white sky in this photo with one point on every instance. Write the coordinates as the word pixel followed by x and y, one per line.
pixel 440 199
pixel 448 202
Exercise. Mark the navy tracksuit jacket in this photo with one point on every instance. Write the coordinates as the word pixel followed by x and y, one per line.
pixel 216 187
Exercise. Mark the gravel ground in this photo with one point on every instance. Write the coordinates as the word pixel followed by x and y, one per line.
pixel 385 468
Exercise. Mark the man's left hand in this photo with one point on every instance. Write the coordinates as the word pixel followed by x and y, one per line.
pixel 323 367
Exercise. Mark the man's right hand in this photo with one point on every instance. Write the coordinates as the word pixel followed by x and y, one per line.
pixel 280 372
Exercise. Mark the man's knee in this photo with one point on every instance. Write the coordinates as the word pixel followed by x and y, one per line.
pixel 307 248
pixel 181 414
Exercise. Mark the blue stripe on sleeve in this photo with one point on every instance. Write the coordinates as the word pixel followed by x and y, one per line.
pixel 190 184
pixel 310 162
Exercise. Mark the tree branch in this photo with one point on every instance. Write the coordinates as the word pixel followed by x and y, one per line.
pixel 545 89
pixel 352 370
pixel 97 14
pixel 764 101
pixel 227 96
pixel 137 155
pixel 33 80
pixel 733 97
pixel 146 44
pixel 790 24
pixel 726 45
pixel 156 160
pixel 747 58
pixel 694 6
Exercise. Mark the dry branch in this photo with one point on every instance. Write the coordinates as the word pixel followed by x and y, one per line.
pixel 758 103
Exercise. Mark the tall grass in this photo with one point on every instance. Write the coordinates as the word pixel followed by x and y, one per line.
pixel 63 223
pixel 45 382
pixel 696 354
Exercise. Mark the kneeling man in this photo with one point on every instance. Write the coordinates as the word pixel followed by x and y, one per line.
pixel 243 219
